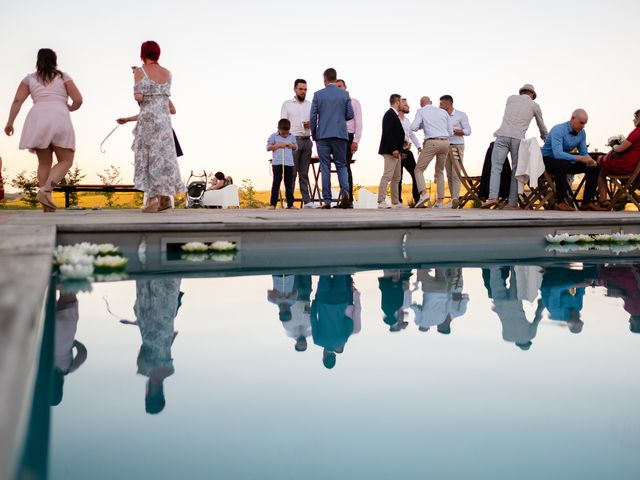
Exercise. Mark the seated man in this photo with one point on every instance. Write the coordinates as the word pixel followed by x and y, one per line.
pixel 563 139
pixel 562 293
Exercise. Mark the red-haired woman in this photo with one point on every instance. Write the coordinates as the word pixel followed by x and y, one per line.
pixel 621 160
pixel 156 169
pixel 47 128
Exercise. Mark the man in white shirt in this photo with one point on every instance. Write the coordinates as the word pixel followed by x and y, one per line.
pixel 518 113
pixel 408 161
pixel 461 128
pixel 354 130
pixel 437 128
pixel 297 111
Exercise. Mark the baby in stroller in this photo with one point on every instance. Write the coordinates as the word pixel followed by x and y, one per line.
pixel 219 181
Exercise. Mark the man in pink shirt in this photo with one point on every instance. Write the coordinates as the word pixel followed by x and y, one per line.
pixel 354 129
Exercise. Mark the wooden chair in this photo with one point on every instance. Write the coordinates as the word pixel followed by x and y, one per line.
pixel 541 197
pixel 624 188
pixel 470 184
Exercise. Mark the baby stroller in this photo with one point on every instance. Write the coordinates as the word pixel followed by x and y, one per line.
pixel 196 189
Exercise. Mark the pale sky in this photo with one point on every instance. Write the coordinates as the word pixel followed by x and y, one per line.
pixel 234 63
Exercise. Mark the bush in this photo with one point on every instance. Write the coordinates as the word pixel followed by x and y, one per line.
pixel 248 196
pixel 111 176
pixel 73 177
pixel 28 185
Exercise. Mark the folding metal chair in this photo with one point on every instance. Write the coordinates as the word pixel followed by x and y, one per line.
pixel 471 185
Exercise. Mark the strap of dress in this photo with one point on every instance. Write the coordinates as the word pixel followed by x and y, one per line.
pixel 144 72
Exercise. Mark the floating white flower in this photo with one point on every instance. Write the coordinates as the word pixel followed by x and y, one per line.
pixel 195 257
pixel 223 257
pixel 111 261
pixel 87 248
pixel 195 247
pixel 559 238
pixel 620 237
pixel 572 239
pixel 223 246
pixel 71 256
pixel 107 249
pixel 77 271
pixel 582 238
pixel 603 237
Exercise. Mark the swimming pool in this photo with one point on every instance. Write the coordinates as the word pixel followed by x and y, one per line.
pixel 499 370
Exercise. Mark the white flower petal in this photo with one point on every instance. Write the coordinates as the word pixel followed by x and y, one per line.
pixel 223 246
pixel 194 247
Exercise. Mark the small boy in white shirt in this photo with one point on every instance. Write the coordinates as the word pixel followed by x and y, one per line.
pixel 282 144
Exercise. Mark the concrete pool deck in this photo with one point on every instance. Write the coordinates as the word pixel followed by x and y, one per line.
pixel 28 237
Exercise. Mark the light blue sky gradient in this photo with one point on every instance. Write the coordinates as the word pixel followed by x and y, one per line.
pixel 234 64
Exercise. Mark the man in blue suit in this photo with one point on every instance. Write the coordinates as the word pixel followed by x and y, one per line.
pixel 330 110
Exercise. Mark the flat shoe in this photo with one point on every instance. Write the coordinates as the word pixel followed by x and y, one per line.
pixel 565 207
pixel 41 197
pixel 593 207
pixel 489 203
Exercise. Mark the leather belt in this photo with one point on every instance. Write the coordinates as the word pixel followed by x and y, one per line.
pixel 304 138
pixel 437 138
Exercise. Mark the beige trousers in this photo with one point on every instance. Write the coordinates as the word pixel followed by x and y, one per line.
pixel 432 148
pixel 452 176
pixel 391 174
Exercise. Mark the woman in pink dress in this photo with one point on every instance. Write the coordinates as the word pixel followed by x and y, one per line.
pixel 621 160
pixel 47 128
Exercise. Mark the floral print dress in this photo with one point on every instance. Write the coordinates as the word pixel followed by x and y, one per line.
pixel 157 302
pixel 156 170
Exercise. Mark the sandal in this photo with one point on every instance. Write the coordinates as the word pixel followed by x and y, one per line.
pixel 42 197
pixel 151 206
pixel 164 203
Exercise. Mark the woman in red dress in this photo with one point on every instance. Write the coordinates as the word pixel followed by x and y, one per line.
pixel 622 159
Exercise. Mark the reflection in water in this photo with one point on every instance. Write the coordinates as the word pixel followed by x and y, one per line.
pixel 562 293
pixel 157 303
pixel 327 306
pixel 507 303
pixel 332 315
pixel 292 295
pixel 394 286
pixel 623 281
pixel 442 299
pixel 65 362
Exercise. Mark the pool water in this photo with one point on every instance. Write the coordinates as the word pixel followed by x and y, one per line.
pixel 505 371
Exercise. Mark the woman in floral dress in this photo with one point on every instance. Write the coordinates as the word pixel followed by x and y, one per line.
pixel 156 307
pixel 156 169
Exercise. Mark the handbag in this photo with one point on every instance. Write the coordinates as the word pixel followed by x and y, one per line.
pixel 179 152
